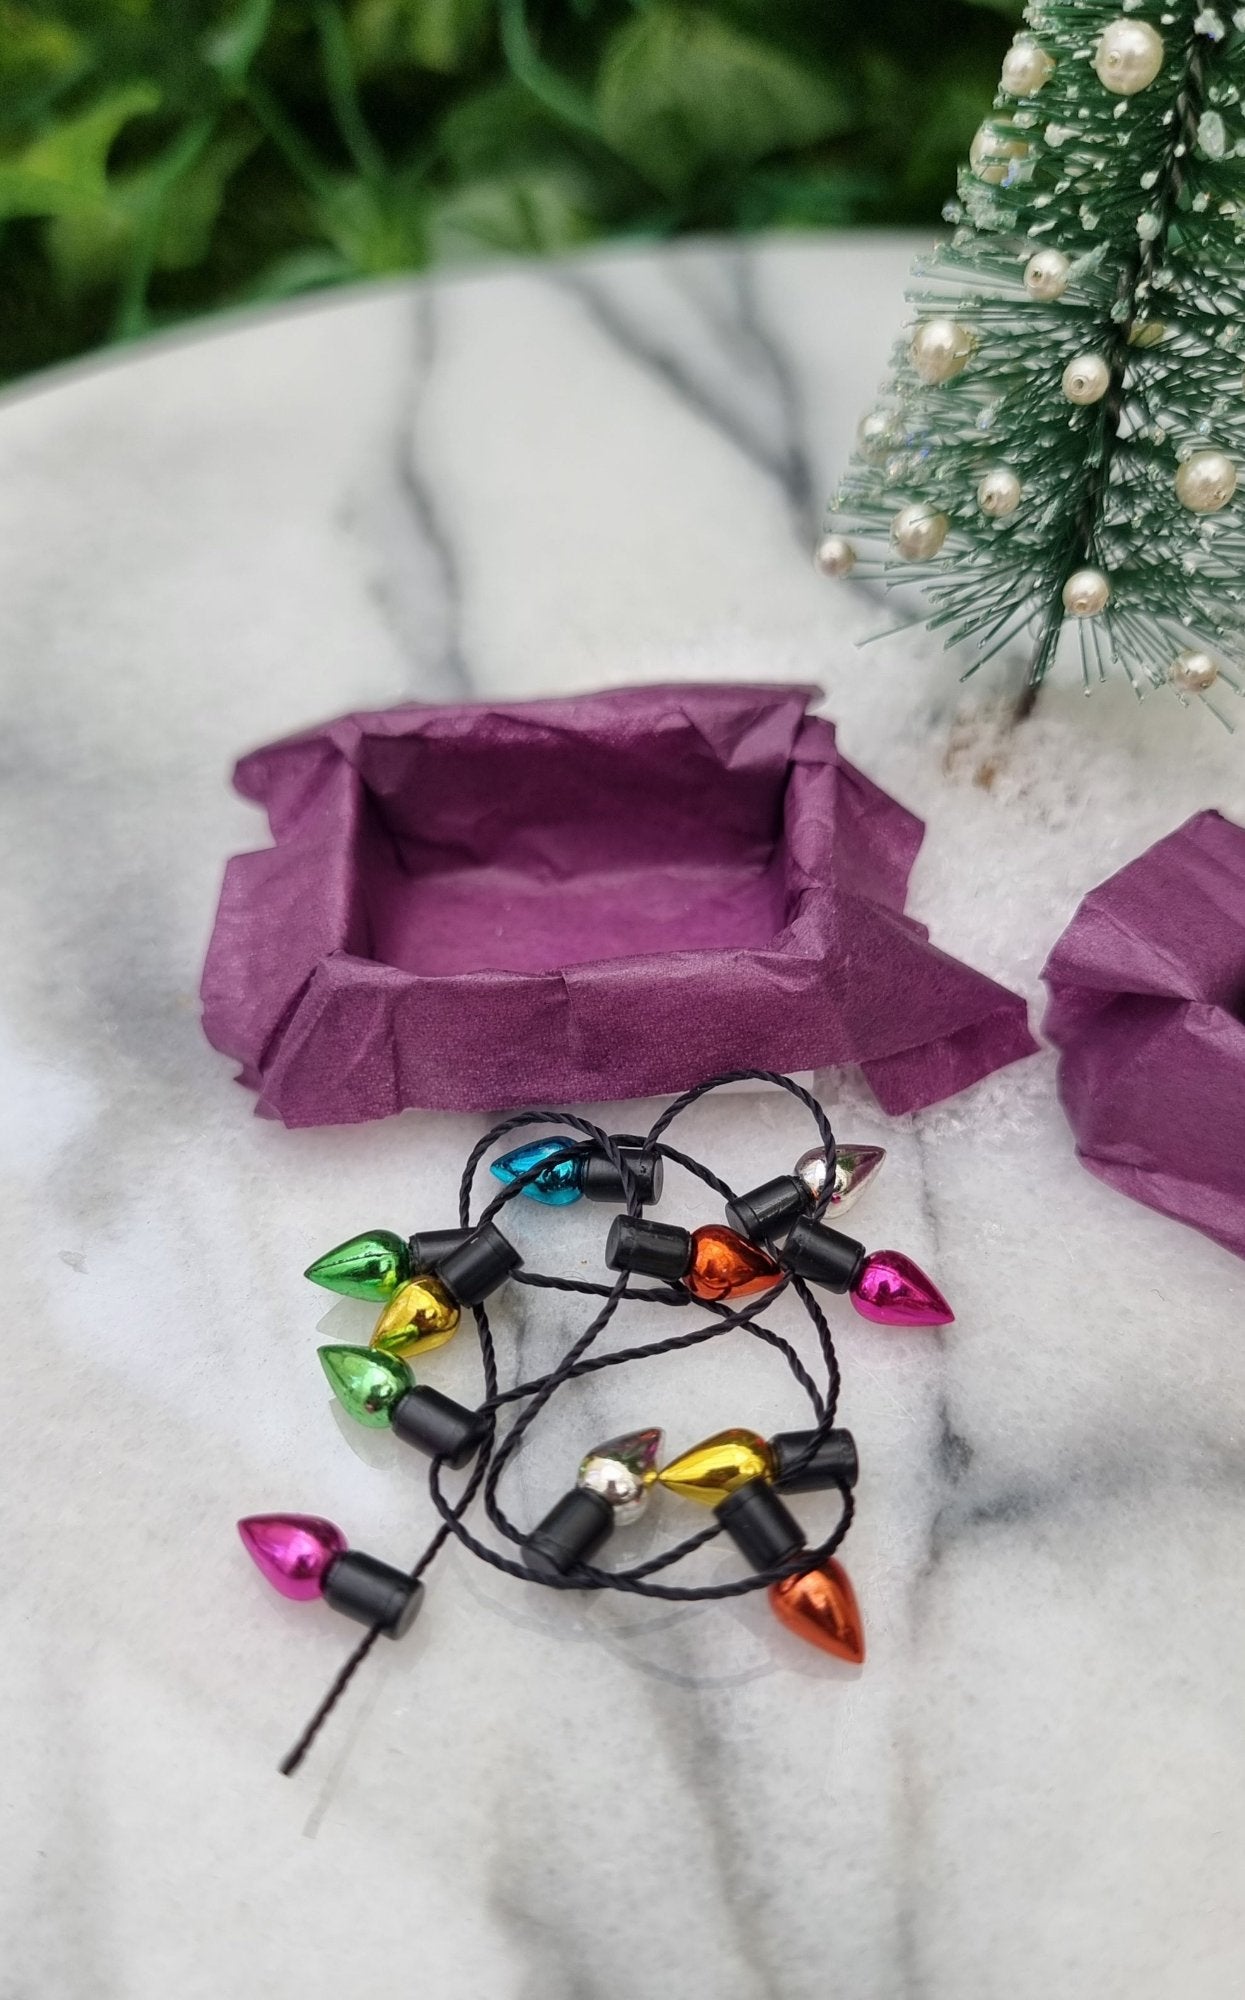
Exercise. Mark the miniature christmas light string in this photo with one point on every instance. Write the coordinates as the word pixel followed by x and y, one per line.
pixel 736 1472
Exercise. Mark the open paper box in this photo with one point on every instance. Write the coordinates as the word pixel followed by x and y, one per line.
pixel 1147 1009
pixel 603 897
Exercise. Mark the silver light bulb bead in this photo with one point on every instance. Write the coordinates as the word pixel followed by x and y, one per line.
pixel 621 1471
pixel 854 1168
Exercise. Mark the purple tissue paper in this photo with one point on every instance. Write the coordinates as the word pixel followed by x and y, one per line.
pixel 1147 990
pixel 608 896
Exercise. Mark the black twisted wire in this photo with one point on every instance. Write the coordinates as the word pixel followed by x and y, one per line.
pixel 534 1396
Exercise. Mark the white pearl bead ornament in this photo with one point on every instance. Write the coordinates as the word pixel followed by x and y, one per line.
pixel 939 350
pixel 998 155
pixel 1193 672
pixel 1206 481
pixel 873 434
pixel 1026 67
pixel 998 494
pixel 918 531
pixel 1128 57
pixel 1086 593
pixel 834 556
pixel 1046 275
pixel 1086 379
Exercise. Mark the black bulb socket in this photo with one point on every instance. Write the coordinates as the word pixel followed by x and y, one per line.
pixel 372 1592
pixel 655 1249
pixel 438 1426
pixel 805 1464
pixel 477 1267
pixel 769 1211
pixel 429 1246
pixel 570 1534
pixel 762 1526
pixel 824 1256
pixel 600 1179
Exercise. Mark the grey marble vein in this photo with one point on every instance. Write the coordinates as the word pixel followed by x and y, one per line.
pixel 770 440
pixel 415 578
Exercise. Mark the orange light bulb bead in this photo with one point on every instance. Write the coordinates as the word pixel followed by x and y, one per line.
pixel 820 1607
pixel 727 1266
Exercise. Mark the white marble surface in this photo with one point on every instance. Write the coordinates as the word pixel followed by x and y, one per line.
pixel 509 484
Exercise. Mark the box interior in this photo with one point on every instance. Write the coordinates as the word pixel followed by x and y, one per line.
pixel 541 852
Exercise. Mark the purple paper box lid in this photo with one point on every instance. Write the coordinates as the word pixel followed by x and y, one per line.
pixel 607 896
pixel 1147 989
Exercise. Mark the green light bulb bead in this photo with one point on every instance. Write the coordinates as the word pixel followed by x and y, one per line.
pixel 366 1382
pixel 371 1266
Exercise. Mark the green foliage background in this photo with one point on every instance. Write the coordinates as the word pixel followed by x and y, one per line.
pixel 159 158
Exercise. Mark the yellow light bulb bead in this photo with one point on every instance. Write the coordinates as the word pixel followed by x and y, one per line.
pixel 421 1315
pixel 709 1471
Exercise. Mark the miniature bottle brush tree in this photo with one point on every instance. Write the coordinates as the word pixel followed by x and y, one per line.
pixel 1055 458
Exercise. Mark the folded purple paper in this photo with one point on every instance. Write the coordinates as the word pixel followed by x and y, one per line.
pixel 1147 990
pixel 603 897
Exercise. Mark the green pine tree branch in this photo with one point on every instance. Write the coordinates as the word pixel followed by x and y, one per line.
pixel 1044 450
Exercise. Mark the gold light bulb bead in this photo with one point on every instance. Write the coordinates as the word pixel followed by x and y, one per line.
pixel 421 1315
pixel 718 1466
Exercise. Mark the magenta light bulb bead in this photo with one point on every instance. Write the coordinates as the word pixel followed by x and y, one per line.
pixel 304 1556
pixel 292 1550
pixel 890 1289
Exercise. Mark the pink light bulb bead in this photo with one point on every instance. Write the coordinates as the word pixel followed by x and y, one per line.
pixel 292 1550
pixel 894 1291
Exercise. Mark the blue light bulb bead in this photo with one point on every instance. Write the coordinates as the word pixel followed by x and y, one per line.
pixel 559 1185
